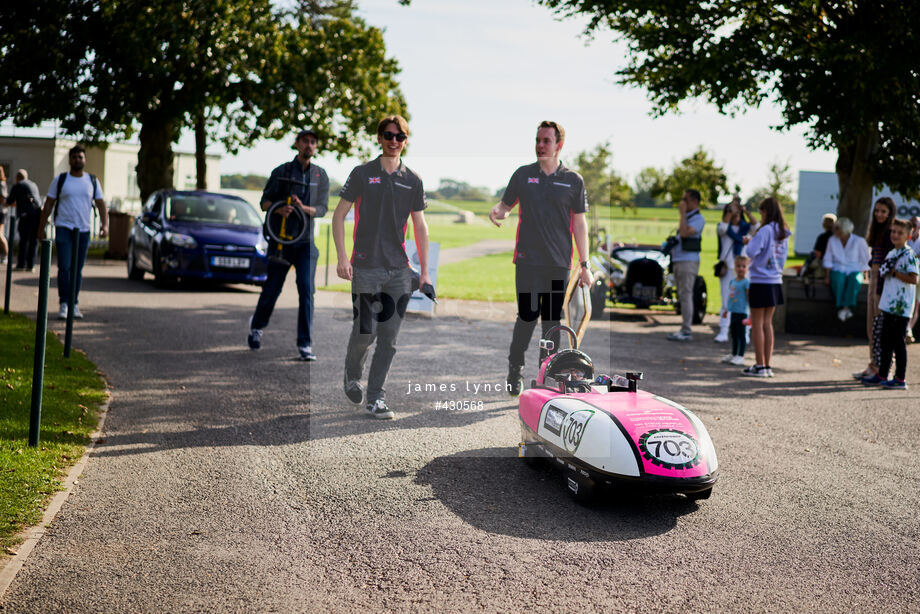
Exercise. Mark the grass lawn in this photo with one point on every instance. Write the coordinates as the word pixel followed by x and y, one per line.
pixel 73 393
pixel 492 277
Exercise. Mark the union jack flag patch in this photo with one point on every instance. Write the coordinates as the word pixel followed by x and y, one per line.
pixel 533 180
pixel 373 179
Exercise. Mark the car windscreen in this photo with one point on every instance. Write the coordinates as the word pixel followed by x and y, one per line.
pixel 212 209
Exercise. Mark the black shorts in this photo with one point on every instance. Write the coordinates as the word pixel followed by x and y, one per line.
pixel 761 296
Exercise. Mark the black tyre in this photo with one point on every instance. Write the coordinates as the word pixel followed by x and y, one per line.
pixel 700 298
pixel 598 299
pixel 159 276
pixel 699 496
pixel 134 273
pixel 582 489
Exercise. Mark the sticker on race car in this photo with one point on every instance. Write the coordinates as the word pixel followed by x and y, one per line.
pixel 573 428
pixel 553 420
pixel 670 449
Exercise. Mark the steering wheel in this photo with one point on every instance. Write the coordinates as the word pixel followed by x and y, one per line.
pixel 285 230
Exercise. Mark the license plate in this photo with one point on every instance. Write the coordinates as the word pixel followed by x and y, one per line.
pixel 229 262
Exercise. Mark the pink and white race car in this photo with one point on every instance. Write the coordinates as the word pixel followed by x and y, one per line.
pixel 605 433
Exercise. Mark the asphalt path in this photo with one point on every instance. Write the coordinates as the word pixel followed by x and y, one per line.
pixel 231 480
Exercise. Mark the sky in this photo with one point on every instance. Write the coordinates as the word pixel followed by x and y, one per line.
pixel 479 75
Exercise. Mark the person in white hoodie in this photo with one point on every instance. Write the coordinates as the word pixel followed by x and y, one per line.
pixel 847 261
pixel 768 250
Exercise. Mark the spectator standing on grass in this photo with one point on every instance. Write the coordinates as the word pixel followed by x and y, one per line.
pixel 553 203
pixel 736 307
pixel 308 186
pixel 899 271
pixel 731 231
pixel 768 250
pixel 685 259
pixel 385 194
pixel 847 260
pixel 24 195
pixel 70 198
pixel 879 240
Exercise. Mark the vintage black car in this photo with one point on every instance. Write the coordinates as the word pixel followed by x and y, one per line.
pixel 639 275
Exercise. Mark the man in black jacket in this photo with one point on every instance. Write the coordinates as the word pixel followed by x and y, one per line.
pixel 308 187
pixel 24 194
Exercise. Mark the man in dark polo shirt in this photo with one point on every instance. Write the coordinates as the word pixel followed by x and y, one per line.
pixel 384 193
pixel 308 187
pixel 24 194
pixel 552 209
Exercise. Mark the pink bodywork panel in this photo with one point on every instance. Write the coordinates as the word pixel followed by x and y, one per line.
pixel 638 412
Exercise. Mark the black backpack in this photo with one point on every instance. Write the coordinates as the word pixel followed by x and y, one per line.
pixel 60 184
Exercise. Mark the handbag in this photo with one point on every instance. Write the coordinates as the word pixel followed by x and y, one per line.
pixel 719 269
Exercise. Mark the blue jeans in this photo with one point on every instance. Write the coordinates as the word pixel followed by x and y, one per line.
pixel 303 258
pixel 63 240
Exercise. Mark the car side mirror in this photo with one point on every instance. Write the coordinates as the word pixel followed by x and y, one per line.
pixel 149 217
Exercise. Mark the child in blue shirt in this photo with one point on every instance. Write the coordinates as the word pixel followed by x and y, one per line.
pixel 737 307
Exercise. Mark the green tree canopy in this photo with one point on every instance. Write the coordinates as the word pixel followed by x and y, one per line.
pixel 698 171
pixel 240 69
pixel 849 72
pixel 604 186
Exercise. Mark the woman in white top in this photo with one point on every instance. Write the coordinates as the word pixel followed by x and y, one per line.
pixel 847 261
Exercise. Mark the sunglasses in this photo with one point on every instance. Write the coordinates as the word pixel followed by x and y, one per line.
pixel 399 136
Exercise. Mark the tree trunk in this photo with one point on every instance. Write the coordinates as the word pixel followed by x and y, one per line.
pixel 155 157
pixel 201 161
pixel 854 179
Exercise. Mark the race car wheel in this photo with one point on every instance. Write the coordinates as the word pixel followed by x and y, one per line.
pixel 700 298
pixel 582 489
pixel 699 496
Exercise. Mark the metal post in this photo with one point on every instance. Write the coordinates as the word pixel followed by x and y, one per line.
pixel 9 262
pixel 72 299
pixel 41 330
pixel 328 241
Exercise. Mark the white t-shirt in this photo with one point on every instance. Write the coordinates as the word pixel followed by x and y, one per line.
pixel 75 203
pixel 897 296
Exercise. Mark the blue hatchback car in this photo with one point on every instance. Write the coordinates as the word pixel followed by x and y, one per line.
pixel 198 235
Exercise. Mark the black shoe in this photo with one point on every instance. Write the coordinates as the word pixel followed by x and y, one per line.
pixel 379 410
pixel 515 381
pixel 355 392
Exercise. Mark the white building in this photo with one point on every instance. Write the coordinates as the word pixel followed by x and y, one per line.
pixel 113 163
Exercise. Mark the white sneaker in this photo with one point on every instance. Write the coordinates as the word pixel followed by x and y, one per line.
pixel 722 337
pixel 679 336
pixel 738 361
pixel 848 314
pixel 728 358
pixel 842 314
pixel 62 312
pixel 76 313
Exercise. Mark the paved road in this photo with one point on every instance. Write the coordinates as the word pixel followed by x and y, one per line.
pixel 239 481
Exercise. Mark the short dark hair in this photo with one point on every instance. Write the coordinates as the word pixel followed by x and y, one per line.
pixel 905 224
pixel 76 149
pixel 560 131
pixel 399 120
pixel 694 194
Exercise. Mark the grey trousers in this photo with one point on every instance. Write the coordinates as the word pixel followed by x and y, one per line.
pixel 379 300
pixel 684 276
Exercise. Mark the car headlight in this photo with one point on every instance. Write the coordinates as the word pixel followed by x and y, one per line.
pixel 262 245
pixel 180 240
pixel 617 276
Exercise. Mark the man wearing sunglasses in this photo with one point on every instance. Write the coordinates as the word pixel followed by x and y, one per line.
pixel 553 205
pixel 384 193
